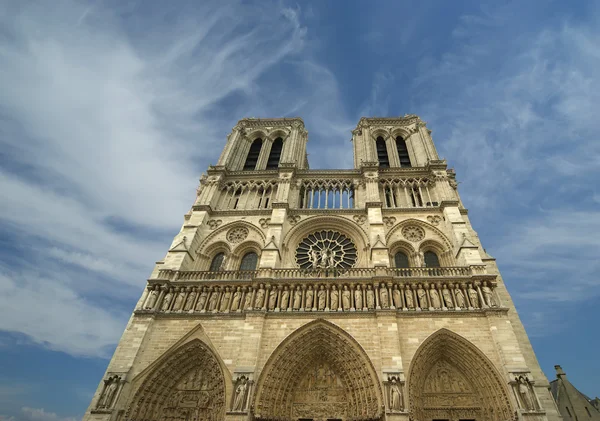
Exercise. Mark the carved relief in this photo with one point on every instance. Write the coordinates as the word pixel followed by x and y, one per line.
pixel 359 219
pixel 240 394
pixel 214 223
pixel 413 233
pixel 294 219
pixel 326 249
pixel 237 234
pixel 525 393
pixel 107 399
pixel 264 222
pixel 394 393
pixel 389 221
pixel 434 219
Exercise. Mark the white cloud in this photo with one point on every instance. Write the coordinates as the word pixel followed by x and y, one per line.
pixel 35 414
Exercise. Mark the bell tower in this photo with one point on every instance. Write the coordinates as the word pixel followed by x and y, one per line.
pixel 294 294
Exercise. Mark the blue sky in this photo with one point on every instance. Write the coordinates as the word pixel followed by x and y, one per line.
pixel 111 110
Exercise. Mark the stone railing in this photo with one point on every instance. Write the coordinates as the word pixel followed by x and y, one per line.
pixel 311 296
pixel 298 273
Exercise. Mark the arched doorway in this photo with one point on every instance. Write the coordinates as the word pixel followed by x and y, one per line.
pixel 318 373
pixel 186 385
pixel 450 379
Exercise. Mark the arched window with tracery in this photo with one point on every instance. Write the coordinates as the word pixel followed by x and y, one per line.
pixel 402 152
pixel 275 154
pixel 253 154
pixel 401 260
pixel 431 259
pixel 249 261
pixel 382 155
pixel 217 262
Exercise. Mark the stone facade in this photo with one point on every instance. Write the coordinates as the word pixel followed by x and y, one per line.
pixel 292 293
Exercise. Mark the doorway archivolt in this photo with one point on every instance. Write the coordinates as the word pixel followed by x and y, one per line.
pixel 319 372
pixel 187 384
pixel 451 379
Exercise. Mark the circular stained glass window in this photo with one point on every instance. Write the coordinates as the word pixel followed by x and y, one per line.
pixel 326 249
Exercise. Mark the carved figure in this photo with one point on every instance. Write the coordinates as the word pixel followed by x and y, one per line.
pixel 332 258
pixel 179 299
pixel 358 298
pixel 488 295
pixel 248 299
pixel 422 296
pixel 108 395
pixel 370 297
pixel 460 298
pixel 225 299
pixel 473 296
pixel 321 298
pixel 167 300
pixel 202 299
pixel 240 395
pixel 335 298
pixel 435 297
pixel 309 297
pixel 396 297
pixel 272 298
pixel 447 297
pixel 190 299
pixel 525 393
pixel 212 301
pixel 324 257
pixel 314 258
pixel 395 396
pixel 260 297
pixel 346 297
pixel 297 298
pixel 383 296
pixel 410 302
pixel 152 297
pixel 223 265
pixel 237 296
pixel 285 297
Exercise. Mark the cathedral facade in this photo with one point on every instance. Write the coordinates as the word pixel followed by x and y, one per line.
pixel 299 294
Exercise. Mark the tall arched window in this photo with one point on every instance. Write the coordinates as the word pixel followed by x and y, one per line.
pixel 402 152
pixel 249 261
pixel 431 260
pixel 401 260
pixel 253 154
pixel 382 155
pixel 217 262
pixel 275 155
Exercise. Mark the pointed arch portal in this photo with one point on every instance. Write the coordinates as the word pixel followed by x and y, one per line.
pixel 319 372
pixel 450 379
pixel 186 385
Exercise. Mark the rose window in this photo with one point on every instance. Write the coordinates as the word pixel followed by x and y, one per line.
pixel 413 233
pixel 326 249
pixel 235 235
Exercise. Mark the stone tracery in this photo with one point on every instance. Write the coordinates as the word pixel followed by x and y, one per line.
pixel 326 249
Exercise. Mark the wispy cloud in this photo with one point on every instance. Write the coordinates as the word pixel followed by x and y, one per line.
pixel 35 414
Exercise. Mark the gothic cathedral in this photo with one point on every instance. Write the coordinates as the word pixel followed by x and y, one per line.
pixel 295 294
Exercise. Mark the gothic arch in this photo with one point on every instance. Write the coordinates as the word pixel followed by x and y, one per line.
pixel 439 235
pixel 219 235
pixel 337 223
pixel 319 371
pixel 187 383
pixel 403 132
pixel 450 378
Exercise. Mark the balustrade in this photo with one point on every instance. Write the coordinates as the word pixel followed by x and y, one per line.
pixel 327 194
pixel 408 193
pixel 244 195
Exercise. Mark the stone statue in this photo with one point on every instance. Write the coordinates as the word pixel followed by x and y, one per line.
pixel 396 297
pixel 358 298
pixel 335 298
pixel 240 395
pixel 321 298
pixel 460 298
pixel 272 298
pixel 395 396
pixel 297 298
pixel 525 393
pixel 202 300
pixel 167 300
pixel 212 301
pixel 410 302
pixel 383 296
pixel 370 297
pixel 152 298
pixel 346 298
pixel 225 300
pixel 332 258
pixel 108 395
pixel 324 257
pixel 309 297
pixel 422 297
pixel 435 297
pixel 179 300
pixel 260 297
pixel 313 257
pixel 447 295
pixel 223 265
pixel 248 299
pixel 189 303
pixel 237 296
pixel 285 297
pixel 488 295
pixel 473 296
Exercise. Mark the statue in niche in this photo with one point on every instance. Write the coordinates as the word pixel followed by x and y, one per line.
pixel 272 298
pixel 321 298
pixel 152 298
pixel 396 298
pixel 335 298
pixel 525 393
pixel 225 299
pixel 447 295
pixel 488 295
pixel 202 299
pixel 473 296
pixel 108 394
pixel 410 302
pixel 212 301
pixel 313 257
pixel 358 298
pixel 346 297
pixel 422 296
pixel 332 258
pixel 460 297
pixel 237 296
pixel 395 396
pixel 190 299
pixel 309 297
pixel 259 300
pixel 435 297
pixel 285 297
pixel 325 257
pixel 240 394
pixel 297 298
pixel 248 299
pixel 223 265
pixel 166 304
pixel 383 296
pixel 370 297
pixel 179 299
